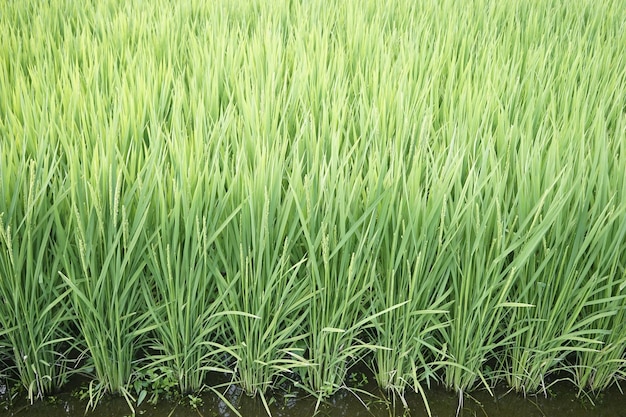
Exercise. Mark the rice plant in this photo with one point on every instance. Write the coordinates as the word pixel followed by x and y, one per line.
pixel 570 306
pixel 338 237
pixel 573 277
pixel 604 312
pixel 478 278
pixel 181 295
pixel 33 310
pixel 105 270
pixel 412 276
pixel 597 369
pixel 260 277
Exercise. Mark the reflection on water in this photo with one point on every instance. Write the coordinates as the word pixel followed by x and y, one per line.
pixel 364 400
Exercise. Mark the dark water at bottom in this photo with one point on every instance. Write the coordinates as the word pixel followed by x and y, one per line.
pixel 363 398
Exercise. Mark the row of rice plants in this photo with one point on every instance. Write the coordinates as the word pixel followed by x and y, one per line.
pixel 277 189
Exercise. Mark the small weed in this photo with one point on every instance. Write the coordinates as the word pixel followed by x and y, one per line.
pixel 357 379
pixel 154 385
pixel 195 401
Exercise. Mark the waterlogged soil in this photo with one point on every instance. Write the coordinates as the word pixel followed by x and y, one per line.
pixel 362 398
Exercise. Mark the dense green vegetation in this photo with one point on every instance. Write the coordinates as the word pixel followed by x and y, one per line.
pixel 281 188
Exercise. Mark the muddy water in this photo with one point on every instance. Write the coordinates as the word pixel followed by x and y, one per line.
pixel 364 399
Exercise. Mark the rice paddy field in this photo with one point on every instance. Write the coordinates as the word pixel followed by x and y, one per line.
pixel 277 190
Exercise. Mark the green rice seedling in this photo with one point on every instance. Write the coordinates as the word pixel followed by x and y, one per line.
pixel 574 277
pixel 479 224
pixel 106 265
pixel 412 277
pixel 190 209
pixel 338 238
pixel 479 289
pixel 34 317
pixel 260 278
pixel 599 368
pixel 261 298
pixel 335 206
pixel 569 293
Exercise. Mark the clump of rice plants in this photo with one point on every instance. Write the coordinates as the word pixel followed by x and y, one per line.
pixel 408 337
pixel 338 238
pixel 105 270
pixel 34 312
pixel 264 299
pixel 567 310
pixel 181 294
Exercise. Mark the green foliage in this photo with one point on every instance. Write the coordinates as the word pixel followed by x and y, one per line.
pixel 105 267
pixel 34 311
pixel 276 189
pixel 263 298
pixel 185 310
